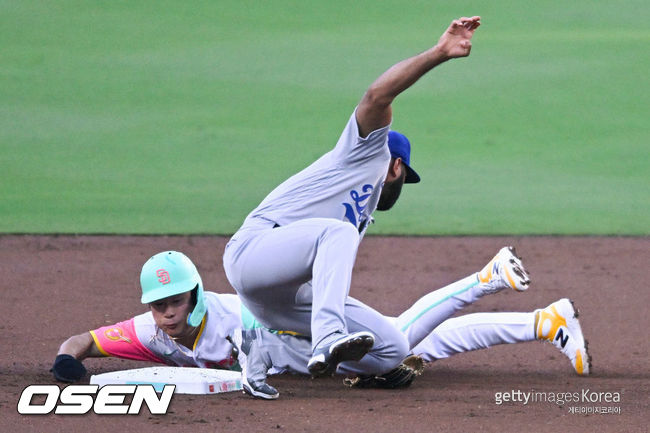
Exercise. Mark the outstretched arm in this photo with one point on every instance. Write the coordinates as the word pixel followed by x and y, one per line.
pixel 67 365
pixel 374 110
pixel 80 347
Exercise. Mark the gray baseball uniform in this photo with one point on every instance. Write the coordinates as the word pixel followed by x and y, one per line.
pixel 291 261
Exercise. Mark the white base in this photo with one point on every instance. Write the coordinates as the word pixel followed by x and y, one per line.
pixel 187 380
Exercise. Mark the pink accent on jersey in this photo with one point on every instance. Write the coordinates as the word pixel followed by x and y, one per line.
pixel 121 341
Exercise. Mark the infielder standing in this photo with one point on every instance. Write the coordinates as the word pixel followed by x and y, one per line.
pixel 291 261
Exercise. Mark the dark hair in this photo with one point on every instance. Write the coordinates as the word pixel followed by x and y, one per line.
pixel 195 295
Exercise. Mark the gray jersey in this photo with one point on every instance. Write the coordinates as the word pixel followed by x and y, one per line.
pixel 291 261
pixel 344 184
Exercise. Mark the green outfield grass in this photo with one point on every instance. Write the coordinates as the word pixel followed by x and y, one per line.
pixel 179 117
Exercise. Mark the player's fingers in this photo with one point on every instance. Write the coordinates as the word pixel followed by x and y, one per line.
pixel 471 23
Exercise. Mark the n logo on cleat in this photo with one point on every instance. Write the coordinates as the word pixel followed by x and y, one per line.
pixel 560 336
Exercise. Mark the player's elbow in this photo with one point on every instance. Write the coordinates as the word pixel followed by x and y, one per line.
pixel 374 110
pixel 376 98
pixel 78 346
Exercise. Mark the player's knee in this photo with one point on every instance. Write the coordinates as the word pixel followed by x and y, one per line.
pixel 401 350
pixel 342 231
pixel 391 352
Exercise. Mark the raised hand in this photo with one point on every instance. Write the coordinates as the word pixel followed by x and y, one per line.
pixel 456 41
pixel 374 110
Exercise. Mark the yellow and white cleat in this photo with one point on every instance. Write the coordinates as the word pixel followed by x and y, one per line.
pixel 558 323
pixel 505 270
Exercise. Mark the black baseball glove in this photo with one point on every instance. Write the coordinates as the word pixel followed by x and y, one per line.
pixel 400 377
pixel 67 368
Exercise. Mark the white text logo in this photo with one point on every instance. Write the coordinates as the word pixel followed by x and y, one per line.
pixel 80 399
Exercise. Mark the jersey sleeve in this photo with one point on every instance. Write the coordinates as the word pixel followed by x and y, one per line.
pixel 354 148
pixel 120 340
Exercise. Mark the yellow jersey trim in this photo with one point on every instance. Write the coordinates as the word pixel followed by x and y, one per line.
pixel 196 341
pixel 99 346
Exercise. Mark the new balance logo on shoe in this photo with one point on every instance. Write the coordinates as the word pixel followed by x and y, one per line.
pixel 504 270
pixel 558 323
pixel 560 336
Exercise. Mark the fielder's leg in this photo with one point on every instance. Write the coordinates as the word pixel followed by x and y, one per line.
pixel 297 277
pixel 275 352
pixel 390 345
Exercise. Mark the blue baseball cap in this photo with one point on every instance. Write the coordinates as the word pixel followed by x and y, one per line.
pixel 400 147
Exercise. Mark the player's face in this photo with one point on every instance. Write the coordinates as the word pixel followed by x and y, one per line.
pixel 170 314
pixel 391 190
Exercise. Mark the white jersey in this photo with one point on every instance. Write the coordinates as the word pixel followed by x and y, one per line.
pixel 139 338
pixel 344 184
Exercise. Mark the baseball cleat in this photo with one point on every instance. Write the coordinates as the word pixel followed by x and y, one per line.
pixel 352 347
pixel 264 390
pixel 558 323
pixel 504 270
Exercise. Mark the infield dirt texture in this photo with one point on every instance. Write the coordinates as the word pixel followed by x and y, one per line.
pixel 57 286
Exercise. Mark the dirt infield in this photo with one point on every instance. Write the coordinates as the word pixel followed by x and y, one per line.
pixel 57 286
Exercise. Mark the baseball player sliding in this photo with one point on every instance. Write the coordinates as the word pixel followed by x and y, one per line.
pixel 187 326
pixel 291 261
